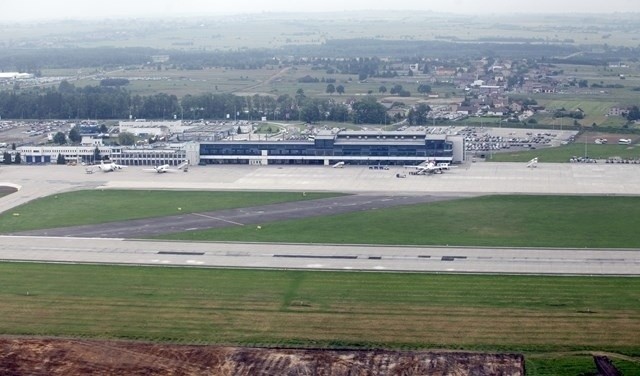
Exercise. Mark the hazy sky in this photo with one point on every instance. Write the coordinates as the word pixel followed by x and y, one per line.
pixel 18 10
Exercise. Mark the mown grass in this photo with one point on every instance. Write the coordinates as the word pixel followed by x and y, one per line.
pixel 526 314
pixel 510 220
pixel 564 153
pixel 101 206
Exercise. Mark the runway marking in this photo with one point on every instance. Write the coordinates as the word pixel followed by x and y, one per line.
pixel 318 256
pixel 315 266
pixel 218 219
pixel 181 253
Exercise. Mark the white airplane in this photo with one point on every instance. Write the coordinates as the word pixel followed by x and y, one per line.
pixel 533 163
pixel 431 167
pixel 338 165
pixel 105 167
pixel 184 166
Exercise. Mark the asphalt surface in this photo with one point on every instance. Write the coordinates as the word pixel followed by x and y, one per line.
pixel 371 189
pixel 323 257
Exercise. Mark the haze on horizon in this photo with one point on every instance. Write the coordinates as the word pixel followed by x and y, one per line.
pixel 28 10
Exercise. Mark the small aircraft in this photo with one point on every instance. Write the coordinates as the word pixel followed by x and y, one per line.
pixel 431 167
pixel 533 163
pixel 184 166
pixel 105 167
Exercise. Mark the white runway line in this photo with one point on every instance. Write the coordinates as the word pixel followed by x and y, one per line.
pixel 218 219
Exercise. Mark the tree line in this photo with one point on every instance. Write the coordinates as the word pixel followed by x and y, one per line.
pixel 108 102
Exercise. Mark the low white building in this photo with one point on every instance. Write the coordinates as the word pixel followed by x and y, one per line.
pixel 172 154
pixel 49 154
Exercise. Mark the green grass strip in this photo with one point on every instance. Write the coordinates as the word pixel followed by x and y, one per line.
pixel 563 153
pixel 515 220
pixel 101 206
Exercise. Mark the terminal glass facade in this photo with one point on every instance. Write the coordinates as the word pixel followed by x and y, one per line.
pixel 355 150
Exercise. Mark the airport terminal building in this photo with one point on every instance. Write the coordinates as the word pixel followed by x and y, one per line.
pixel 326 148
pixel 350 147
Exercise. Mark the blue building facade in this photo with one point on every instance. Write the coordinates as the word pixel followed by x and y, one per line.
pixel 350 147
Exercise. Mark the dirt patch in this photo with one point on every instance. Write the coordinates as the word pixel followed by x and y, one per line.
pixel 19 356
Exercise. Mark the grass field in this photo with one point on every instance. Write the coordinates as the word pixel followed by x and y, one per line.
pixel 563 153
pixel 519 221
pixel 87 207
pixel 535 315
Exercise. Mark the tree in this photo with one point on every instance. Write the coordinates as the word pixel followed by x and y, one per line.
pixel 310 112
pixel 13 146
pixel 396 89
pixel 17 158
pixel 7 157
pixel 368 110
pixel 424 89
pixel 74 135
pixel 633 114
pixel 103 128
pixel 382 89
pixel 418 114
pixel 96 154
pixel 340 89
pixel 61 159
pixel 126 138
pixel 331 89
pixel 59 138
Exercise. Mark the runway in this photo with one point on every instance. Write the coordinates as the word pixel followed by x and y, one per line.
pixel 322 257
pixel 371 188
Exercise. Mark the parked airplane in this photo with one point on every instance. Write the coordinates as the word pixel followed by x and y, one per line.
pixel 184 166
pixel 431 167
pixel 105 167
pixel 533 163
